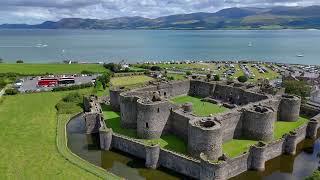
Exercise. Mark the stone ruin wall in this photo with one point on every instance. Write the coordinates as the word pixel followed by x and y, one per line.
pixel 232 124
pixel 92 114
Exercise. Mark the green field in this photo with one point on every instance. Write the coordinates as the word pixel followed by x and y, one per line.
pixel 28 126
pixel 282 127
pixel 200 108
pixel 169 142
pixel 34 69
pixel 130 80
pixel 236 147
pixel 177 77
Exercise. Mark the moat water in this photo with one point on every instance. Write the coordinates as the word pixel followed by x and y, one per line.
pixel 284 167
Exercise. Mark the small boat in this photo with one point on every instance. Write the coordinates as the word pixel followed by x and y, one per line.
pixel 250 44
pixel 41 45
pixel 300 55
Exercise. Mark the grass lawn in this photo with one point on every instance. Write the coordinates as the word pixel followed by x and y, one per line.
pixel 130 80
pixel 177 77
pixel 50 68
pixel 28 126
pixel 236 147
pixel 282 127
pixel 169 142
pixel 113 121
pixel 200 108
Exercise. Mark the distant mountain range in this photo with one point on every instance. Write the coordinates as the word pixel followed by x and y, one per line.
pixel 232 18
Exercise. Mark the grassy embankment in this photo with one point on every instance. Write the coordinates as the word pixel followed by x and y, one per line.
pixel 169 142
pixel 33 69
pixel 28 126
pixel 200 108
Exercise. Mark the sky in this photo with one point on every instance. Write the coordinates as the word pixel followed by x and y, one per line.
pixel 37 11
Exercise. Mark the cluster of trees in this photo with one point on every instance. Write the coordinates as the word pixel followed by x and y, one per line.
pixel 11 91
pixel 113 67
pixel 299 88
pixel 74 87
pixel 243 79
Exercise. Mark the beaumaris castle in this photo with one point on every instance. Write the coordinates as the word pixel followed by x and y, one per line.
pixel 251 115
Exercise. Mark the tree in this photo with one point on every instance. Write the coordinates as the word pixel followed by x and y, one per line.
pixel 104 79
pixel 3 83
pixel 299 88
pixel 155 68
pixel 242 79
pixel 11 91
pixel 20 61
pixel 216 78
pixel 165 73
pixel 1 60
pixel 208 76
pixel 113 67
pixel 188 73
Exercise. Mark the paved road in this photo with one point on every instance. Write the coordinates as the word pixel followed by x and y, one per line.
pixel 30 84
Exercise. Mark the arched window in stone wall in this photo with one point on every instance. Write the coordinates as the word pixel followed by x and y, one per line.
pixel 165 93
pixel 147 125
pixel 158 110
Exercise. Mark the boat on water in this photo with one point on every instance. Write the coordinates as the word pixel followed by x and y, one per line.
pixel 41 45
pixel 250 44
pixel 300 55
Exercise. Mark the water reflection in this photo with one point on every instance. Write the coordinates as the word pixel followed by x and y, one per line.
pixel 124 165
pixel 287 167
pixel 284 167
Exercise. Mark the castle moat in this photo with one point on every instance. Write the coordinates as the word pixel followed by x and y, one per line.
pixel 283 167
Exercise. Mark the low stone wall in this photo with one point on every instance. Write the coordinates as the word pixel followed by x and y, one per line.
pixel 179 123
pixel 231 124
pixel 239 164
pixel 179 163
pixel 128 145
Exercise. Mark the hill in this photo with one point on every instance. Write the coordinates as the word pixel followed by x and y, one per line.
pixel 280 17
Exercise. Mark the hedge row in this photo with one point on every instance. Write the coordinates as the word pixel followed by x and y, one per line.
pixel 74 87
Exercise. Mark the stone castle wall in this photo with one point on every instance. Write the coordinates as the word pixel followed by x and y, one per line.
pixel 179 123
pixel 289 109
pixel 205 136
pixel 258 123
pixel 152 118
pixel 254 118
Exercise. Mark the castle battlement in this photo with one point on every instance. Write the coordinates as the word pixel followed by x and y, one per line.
pixel 251 115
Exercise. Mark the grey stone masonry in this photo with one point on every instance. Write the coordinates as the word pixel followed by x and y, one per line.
pixel 289 109
pixel 205 136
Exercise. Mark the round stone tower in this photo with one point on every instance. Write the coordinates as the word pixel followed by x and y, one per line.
pixel 258 123
pixel 152 117
pixel 289 108
pixel 205 136
pixel 115 98
pixel 128 106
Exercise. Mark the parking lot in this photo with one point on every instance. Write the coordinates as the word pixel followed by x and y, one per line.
pixel 30 84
